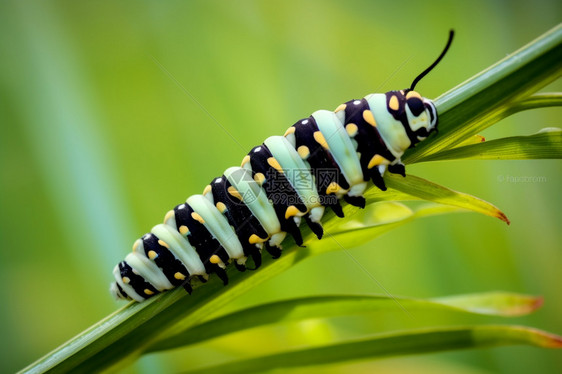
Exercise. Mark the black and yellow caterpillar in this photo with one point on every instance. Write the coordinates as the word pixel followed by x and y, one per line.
pixel 320 160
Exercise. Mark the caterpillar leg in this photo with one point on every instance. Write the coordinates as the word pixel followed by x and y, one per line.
pixel 292 228
pixel 203 279
pixel 313 220
pixel 221 273
pixel 187 286
pixel 397 168
pixel 337 209
pixel 315 227
pixel 377 179
pixel 256 257
pixel 358 201
pixel 273 246
pixel 355 195
pixel 240 267
pixel 274 251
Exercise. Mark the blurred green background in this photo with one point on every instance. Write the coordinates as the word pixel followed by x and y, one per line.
pixel 98 140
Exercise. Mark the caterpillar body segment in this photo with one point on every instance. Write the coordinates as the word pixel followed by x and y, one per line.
pixel 282 184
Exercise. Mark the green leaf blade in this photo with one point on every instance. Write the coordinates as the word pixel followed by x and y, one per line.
pixel 547 144
pixel 402 343
pixel 502 304
pixel 416 188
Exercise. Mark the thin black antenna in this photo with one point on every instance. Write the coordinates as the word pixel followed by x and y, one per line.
pixel 424 73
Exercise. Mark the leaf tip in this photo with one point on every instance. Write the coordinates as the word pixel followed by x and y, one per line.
pixel 501 215
pixel 543 339
pixel 537 303
pixel 553 341
pixel 524 305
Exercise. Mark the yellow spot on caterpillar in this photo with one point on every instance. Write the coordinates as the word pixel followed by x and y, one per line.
pixel 351 129
pixel 215 259
pixel 163 243
pixel 197 217
pixel 125 280
pixel 290 130
pixel 259 178
pixel 413 94
pixel 220 206
pixel 377 160
pixel 303 151
pixel 184 230
pixel 368 117
pixel 234 192
pixel 168 215
pixel 319 137
pixel 274 164
pixel 148 292
pixel 393 103
pixel 402 92
pixel 339 108
pixel 207 189
pixel 152 255
pixel 245 160
pixel 179 276
pixel 333 188
pixel 254 239
pixel 291 211
pixel 136 244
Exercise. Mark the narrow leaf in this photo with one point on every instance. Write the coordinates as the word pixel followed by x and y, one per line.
pixel 538 100
pixel 364 225
pixel 492 303
pixel 377 218
pixel 402 343
pixel 545 144
pixel 415 188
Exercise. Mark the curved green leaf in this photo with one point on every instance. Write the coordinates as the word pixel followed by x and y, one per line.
pixel 504 304
pixel 538 100
pixel 492 303
pixel 416 188
pixel 376 219
pixel 545 144
pixel 401 343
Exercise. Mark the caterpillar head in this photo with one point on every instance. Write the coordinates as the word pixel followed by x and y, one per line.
pixel 421 115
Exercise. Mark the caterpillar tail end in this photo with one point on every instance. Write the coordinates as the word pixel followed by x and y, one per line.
pixel 117 292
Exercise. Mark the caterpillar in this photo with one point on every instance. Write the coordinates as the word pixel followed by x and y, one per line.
pixel 322 159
